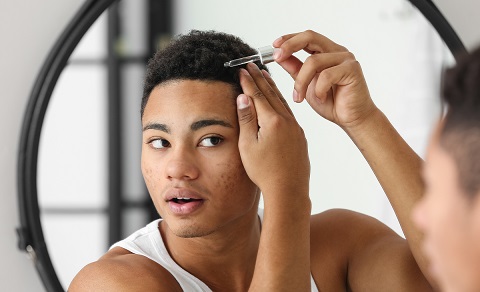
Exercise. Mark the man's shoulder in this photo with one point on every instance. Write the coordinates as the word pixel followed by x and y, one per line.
pixel 339 236
pixel 332 234
pixel 342 222
pixel 351 228
pixel 120 270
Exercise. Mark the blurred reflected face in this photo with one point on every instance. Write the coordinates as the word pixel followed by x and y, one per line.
pixel 190 158
pixel 450 222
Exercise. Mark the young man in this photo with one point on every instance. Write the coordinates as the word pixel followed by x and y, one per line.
pixel 215 137
pixel 449 214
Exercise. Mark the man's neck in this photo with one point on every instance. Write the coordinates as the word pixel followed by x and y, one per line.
pixel 225 257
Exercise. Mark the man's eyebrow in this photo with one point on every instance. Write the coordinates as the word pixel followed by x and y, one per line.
pixel 157 126
pixel 195 126
pixel 210 122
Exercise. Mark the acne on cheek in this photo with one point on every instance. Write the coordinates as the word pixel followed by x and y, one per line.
pixel 147 172
pixel 233 174
pixel 227 181
pixel 235 179
pixel 148 175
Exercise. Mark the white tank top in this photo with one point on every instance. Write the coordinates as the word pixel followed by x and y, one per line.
pixel 148 242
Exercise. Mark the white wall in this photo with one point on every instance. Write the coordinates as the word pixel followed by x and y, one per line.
pixel 401 56
pixel 28 30
pixel 464 16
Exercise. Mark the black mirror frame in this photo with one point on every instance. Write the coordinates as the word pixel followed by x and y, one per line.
pixel 30 234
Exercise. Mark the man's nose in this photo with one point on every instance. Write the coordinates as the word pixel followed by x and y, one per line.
pixel 182 165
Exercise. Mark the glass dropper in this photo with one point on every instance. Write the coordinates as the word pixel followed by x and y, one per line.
pixel 264 55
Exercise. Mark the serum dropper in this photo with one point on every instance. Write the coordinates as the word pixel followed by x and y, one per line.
pixel 264 55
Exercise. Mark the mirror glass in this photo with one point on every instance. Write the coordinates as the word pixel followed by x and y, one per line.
pixel 401 55
pixel 72 164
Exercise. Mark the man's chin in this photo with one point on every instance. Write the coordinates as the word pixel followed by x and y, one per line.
pixel 190 231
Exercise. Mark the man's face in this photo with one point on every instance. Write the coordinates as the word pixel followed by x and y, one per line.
pixel 450 222
pixel 190 158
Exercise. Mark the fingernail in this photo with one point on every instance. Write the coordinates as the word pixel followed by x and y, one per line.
pixel 244 72
pixel 277 40
pixel 277 53
pixel 295 95
pixel 242 101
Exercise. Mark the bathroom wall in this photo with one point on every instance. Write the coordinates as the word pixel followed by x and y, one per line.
pixel 28 30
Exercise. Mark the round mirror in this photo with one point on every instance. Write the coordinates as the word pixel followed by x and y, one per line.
pixel 80 185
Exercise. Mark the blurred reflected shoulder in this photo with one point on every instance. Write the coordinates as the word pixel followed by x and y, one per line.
pixel 135 152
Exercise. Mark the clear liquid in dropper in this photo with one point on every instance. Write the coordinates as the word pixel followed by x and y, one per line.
pixel 241 61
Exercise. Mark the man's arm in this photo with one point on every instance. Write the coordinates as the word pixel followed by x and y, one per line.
pixel 274 153
pixel 332 82
pixel 398 169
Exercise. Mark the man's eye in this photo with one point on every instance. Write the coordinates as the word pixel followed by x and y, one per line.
pixel 159 143
pixel 211 141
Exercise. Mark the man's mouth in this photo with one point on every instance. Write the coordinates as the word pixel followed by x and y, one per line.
pixel 184 204
pixel 183 200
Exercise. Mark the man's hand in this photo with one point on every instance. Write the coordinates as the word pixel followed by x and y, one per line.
pixel 331 79
pixel 332 82
pixel 272 144
pixel 274 153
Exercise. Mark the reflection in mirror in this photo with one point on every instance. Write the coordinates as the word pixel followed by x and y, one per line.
pixel 401 55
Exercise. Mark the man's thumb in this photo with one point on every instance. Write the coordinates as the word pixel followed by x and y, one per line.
pixel 247 117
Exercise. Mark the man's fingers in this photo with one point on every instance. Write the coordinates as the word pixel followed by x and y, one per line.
pixel 328 78
pixel 260 89
pixel 250 88
pixel 310 41
pixel 304 73
pixel 277 91
pixel 247 120
pixel 292 65
pixel 316 64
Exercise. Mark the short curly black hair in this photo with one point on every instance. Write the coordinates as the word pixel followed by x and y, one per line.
pixel 460 134
pixel 197 55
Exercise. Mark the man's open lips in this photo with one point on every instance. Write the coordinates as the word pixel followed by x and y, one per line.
pixel 184 200
pixel 184 205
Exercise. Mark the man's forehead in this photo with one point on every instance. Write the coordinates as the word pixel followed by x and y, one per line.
pixel 196 84
pixel 192 99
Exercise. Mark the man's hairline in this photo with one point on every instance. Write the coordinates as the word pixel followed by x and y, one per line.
pixel 177 80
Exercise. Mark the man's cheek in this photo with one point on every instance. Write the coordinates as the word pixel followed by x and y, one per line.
pixel 149 177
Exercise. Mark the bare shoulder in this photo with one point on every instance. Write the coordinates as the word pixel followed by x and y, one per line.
pixel 350 250
pixel 336 235
pixel 120 270
pixel 341 223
